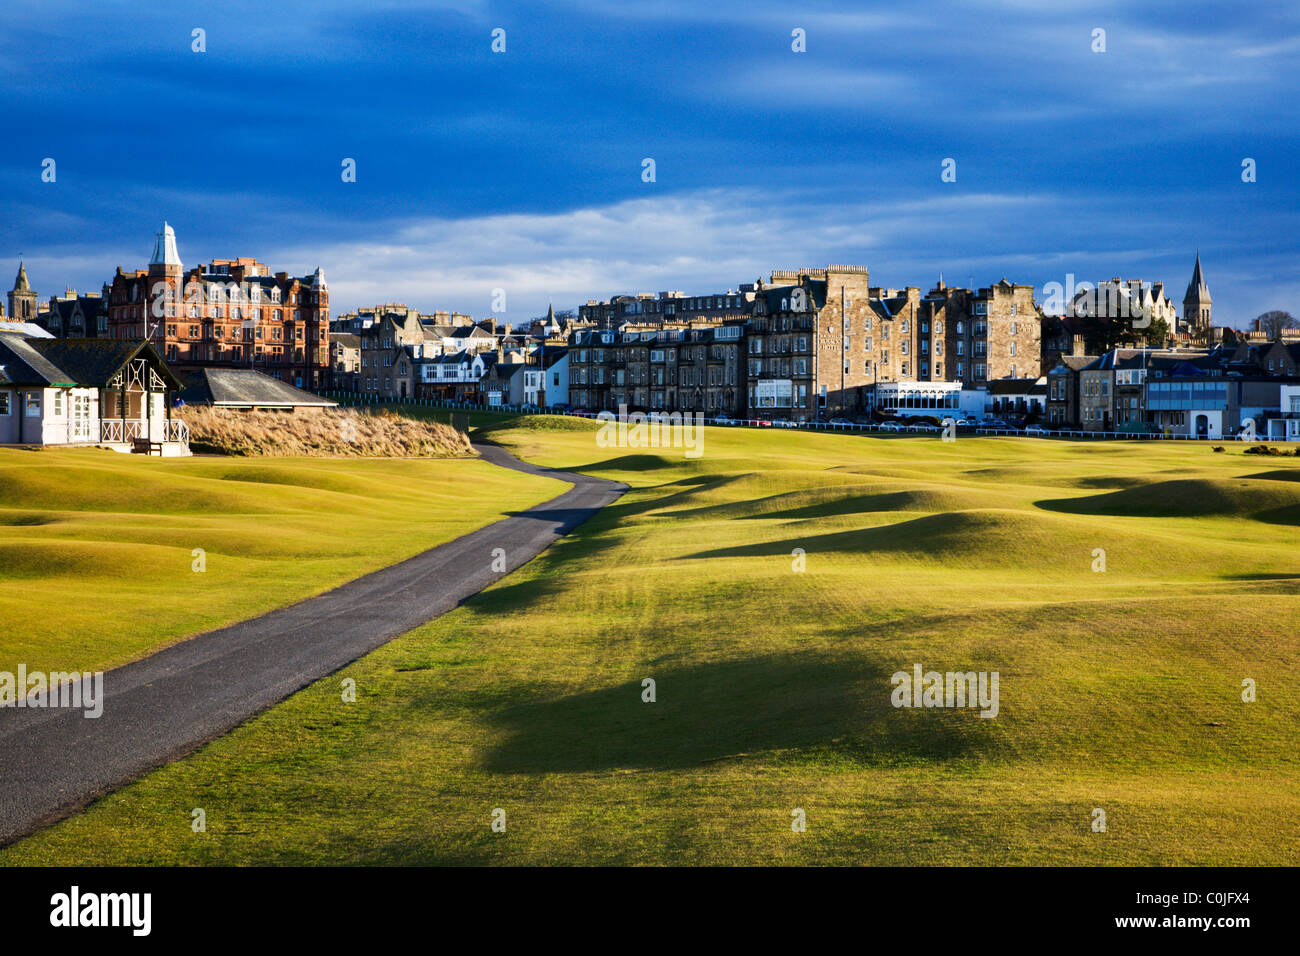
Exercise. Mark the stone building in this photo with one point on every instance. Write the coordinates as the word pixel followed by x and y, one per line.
pixel 1197 305
pixel 22 298
pixel 813 343
pixel 76 316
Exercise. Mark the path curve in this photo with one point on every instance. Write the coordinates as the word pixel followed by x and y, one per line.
pixel 160 708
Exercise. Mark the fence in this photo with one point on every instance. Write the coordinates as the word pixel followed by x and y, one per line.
pixel 888 428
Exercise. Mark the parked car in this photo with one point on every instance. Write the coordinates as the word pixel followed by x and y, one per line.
pixel 994 423
pixel 890 427
pixel 966 423
pixel 839 421
pixel 763 423
pixel 1035 430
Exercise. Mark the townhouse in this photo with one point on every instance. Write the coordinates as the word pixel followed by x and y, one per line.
pixel 806 344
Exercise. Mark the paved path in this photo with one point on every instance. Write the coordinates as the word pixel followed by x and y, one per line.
pixel 53 762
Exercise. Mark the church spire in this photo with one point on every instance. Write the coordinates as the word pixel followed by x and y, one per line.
pixel 1197 302
pixel 20 283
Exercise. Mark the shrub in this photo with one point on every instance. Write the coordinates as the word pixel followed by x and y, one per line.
pixel 330 433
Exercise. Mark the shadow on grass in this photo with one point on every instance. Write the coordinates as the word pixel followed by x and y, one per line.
pixel 831 506
pixel 950 533
pixel 815 704
pixel 1183 498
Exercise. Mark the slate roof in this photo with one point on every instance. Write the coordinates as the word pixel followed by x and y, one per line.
pixel 92 362
pixel 20 364
pixel 1076 362
pixel 816 289
pixel 245 388
pixel 70 363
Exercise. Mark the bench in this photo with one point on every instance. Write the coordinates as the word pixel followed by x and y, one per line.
pixel 144 446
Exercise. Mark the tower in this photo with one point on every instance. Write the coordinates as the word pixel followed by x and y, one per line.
pixel 1196 303
pixel 165 261
pixel 22 299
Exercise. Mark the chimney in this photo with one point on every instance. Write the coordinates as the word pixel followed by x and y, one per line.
pixel 1076 345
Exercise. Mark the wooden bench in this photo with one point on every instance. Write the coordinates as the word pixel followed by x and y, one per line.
pixel 144 446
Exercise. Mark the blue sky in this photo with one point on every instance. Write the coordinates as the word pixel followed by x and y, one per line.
pixel 522 170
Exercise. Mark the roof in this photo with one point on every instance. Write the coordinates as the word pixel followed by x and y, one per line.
pixel 29 329
pixel 1016 386
pixel 348 340
pixel 246 388
pixel 21 364
pixel 1076 362
pixel 94 362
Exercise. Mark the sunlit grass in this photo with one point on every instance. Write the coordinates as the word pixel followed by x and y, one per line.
pixel 1120 689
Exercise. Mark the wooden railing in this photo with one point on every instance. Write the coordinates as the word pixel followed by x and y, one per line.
pixel 123 431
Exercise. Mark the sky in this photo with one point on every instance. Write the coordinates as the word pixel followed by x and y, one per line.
pixel 523 170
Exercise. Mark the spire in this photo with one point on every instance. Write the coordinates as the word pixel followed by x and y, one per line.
pixel 550 313
pixel 164 248
pixel 1197 290
pixel 20 283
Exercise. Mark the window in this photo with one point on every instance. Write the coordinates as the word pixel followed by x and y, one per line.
pixel 4 403
pixel 1013 347
pixel 33 404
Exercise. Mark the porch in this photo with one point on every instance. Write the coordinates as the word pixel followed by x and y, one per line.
pixel 166 437
pixel 136 413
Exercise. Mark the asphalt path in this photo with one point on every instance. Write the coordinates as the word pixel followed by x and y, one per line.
pixel 53 761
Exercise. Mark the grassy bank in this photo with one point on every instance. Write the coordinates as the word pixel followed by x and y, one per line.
pixel 1120 688
pixel 328 433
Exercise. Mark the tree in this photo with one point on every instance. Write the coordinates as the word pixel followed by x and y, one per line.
pixel 1272 323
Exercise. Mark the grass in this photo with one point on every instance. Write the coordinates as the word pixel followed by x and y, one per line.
pixel 97 548
pixel 1120 689
pixel 329 433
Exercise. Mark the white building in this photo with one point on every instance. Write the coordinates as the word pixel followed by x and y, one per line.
pixel 546 379
pixel 1287 427
pixel 930 400
pixel 111 392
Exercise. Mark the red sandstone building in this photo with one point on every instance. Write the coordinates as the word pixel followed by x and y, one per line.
pixel 231 313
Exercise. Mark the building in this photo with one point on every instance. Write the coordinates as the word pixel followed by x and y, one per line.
pixel 23 301
pixel 1197 305
pixel 1019 397
pixel 76 316
pixel 345 361
pixel 1214 403
pixel 807 344
pixel 546 377
pixel 245 389
pixel 1063 389
pixel 106 392
pixel 1285 426
pixel 231 313
pixel 938 400
pixel 503 384
pixel 455 376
